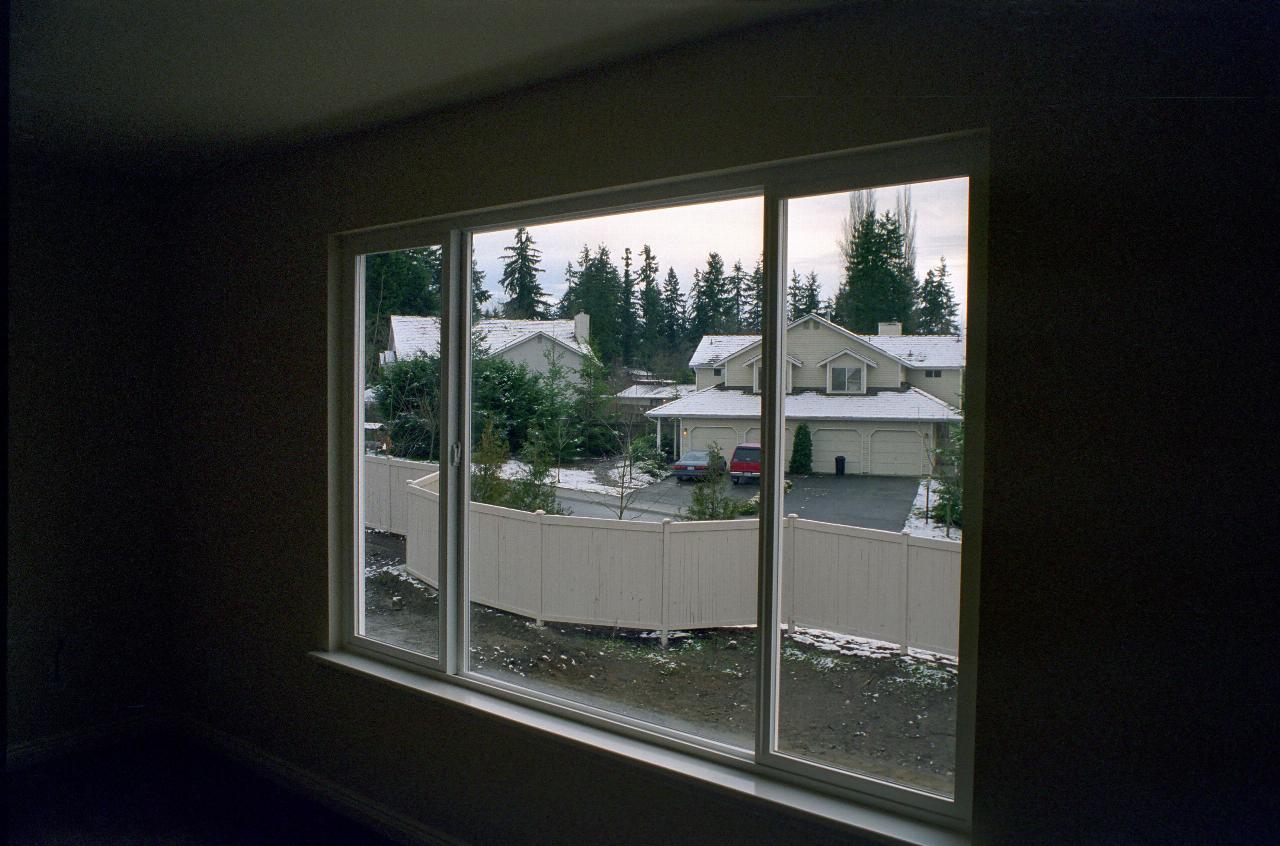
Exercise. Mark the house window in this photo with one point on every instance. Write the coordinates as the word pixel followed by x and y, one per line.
pixel 498 538
pixel 933 374
pixel 846 380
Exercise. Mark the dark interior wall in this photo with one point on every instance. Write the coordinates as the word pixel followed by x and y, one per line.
pixel 85 451
pixel 1120 695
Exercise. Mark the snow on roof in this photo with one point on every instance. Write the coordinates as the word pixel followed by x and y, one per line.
pixel 421 335
pixel 909 405
pixel 656 391
pixel 922 350
pixel 713 349
pixel 931 351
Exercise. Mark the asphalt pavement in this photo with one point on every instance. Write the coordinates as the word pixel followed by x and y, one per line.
pixel 872 502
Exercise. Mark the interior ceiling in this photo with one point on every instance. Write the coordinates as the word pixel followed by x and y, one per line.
pixel 183 82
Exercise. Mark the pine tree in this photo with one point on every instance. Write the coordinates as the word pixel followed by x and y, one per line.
pixel 795 296
pixel 801 451
pixel 520 279
pixel 628 324
pixel 479 296
pixel 597 291
pixel 936 311
pixel 737 282
pixel 811 299
pixel 879 284
pixel 710 302
pixel 651 321
pixel 673 308
pixel 753 300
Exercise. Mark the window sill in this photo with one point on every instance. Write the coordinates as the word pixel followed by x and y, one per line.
pixel 868 821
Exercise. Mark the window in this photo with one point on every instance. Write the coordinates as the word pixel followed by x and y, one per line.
pixel 718 371
pixel 497 529
pixel 933 374
pixel 846 380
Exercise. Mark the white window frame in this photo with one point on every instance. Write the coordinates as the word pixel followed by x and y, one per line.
pixel 958 155
pixel 831 379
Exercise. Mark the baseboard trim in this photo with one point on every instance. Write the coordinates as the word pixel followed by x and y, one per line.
pixel 27 753
pixel 343 800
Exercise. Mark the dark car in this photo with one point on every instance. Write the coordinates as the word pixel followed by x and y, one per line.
pixel 745 463
pixel 694 464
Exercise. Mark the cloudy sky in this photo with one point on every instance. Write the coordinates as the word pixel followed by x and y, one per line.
pixel 682 237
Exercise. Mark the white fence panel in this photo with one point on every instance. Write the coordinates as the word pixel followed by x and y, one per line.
pixel 666 576
pixel 711 573
pixel 386 501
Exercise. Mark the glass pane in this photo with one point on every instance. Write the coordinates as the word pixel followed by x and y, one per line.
pixel 402 425
pixel 871 539
pixel 612 547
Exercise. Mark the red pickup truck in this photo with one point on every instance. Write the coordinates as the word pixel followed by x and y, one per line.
pixel 745 463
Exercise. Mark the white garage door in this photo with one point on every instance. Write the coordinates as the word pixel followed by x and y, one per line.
pixel 828 443
pixel 897 453
pixel 701 437
pixel 755 435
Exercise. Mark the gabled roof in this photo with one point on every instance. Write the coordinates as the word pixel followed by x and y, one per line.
pixel 421 335
pixel 791 358
pixel 848 352
pixel 643 391
pixel 913 351
pixel 713 349
pixel 911 405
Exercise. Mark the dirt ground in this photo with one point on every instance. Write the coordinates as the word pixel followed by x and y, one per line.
pixel 871 711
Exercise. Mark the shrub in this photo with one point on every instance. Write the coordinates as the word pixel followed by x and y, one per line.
pixel 801 451
pixel 948 507
pixel 710 499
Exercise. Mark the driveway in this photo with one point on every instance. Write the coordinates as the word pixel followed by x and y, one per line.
pixel 872 502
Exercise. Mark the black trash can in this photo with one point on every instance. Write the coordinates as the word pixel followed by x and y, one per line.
pixel 839 465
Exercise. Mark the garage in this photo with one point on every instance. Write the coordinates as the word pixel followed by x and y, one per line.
pixel 754 436
pixel 702 437
pixel 897 452
pixel 830 442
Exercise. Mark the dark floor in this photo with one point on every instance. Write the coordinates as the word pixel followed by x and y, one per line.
pixel 168 793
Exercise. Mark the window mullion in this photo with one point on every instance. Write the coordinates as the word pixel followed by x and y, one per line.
pixel 454 459
pixel 772 445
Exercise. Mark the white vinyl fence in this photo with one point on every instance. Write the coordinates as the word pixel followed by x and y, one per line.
pixel 386 485
pixel 667 576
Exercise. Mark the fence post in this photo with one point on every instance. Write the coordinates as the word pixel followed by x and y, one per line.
pixel 906 593
pixel 662 589
pixel 789 574
pixel 540 514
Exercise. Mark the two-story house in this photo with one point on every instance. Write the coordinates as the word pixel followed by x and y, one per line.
pixel 529 342
pixel 882 401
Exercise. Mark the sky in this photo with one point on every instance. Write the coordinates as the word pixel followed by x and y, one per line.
pixel 681 237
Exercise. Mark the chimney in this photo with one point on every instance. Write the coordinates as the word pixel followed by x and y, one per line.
pixel 890 328
pixel 582 327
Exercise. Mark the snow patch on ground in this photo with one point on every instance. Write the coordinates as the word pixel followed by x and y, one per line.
pixel 864 646
pixel 583 479
pixel 916 524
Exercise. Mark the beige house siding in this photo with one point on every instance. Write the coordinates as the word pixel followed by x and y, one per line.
pixel 704 377
pixel 947 387
pixel 882 448
pixel 812 346
pixel 533 354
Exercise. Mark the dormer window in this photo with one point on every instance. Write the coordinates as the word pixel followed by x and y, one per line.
pixel 846 380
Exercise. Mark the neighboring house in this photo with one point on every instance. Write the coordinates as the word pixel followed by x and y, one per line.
pixel 643 396
pixel 882 401
pixel 527 342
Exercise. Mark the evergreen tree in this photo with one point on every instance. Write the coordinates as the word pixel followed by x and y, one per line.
pixel 597 291
pixel 936 312
pixel 801 451
pixel 398 282
pixel 811 299
pixel 520 279
pixel 628 320
pixel 479 296
pixel 651 319
pixel 879 284
pixel 673 307
pixel 795 296
pixel 753 300
pixel 737 282
pixel 710 304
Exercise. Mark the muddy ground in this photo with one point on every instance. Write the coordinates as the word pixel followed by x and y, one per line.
pixel 872 712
